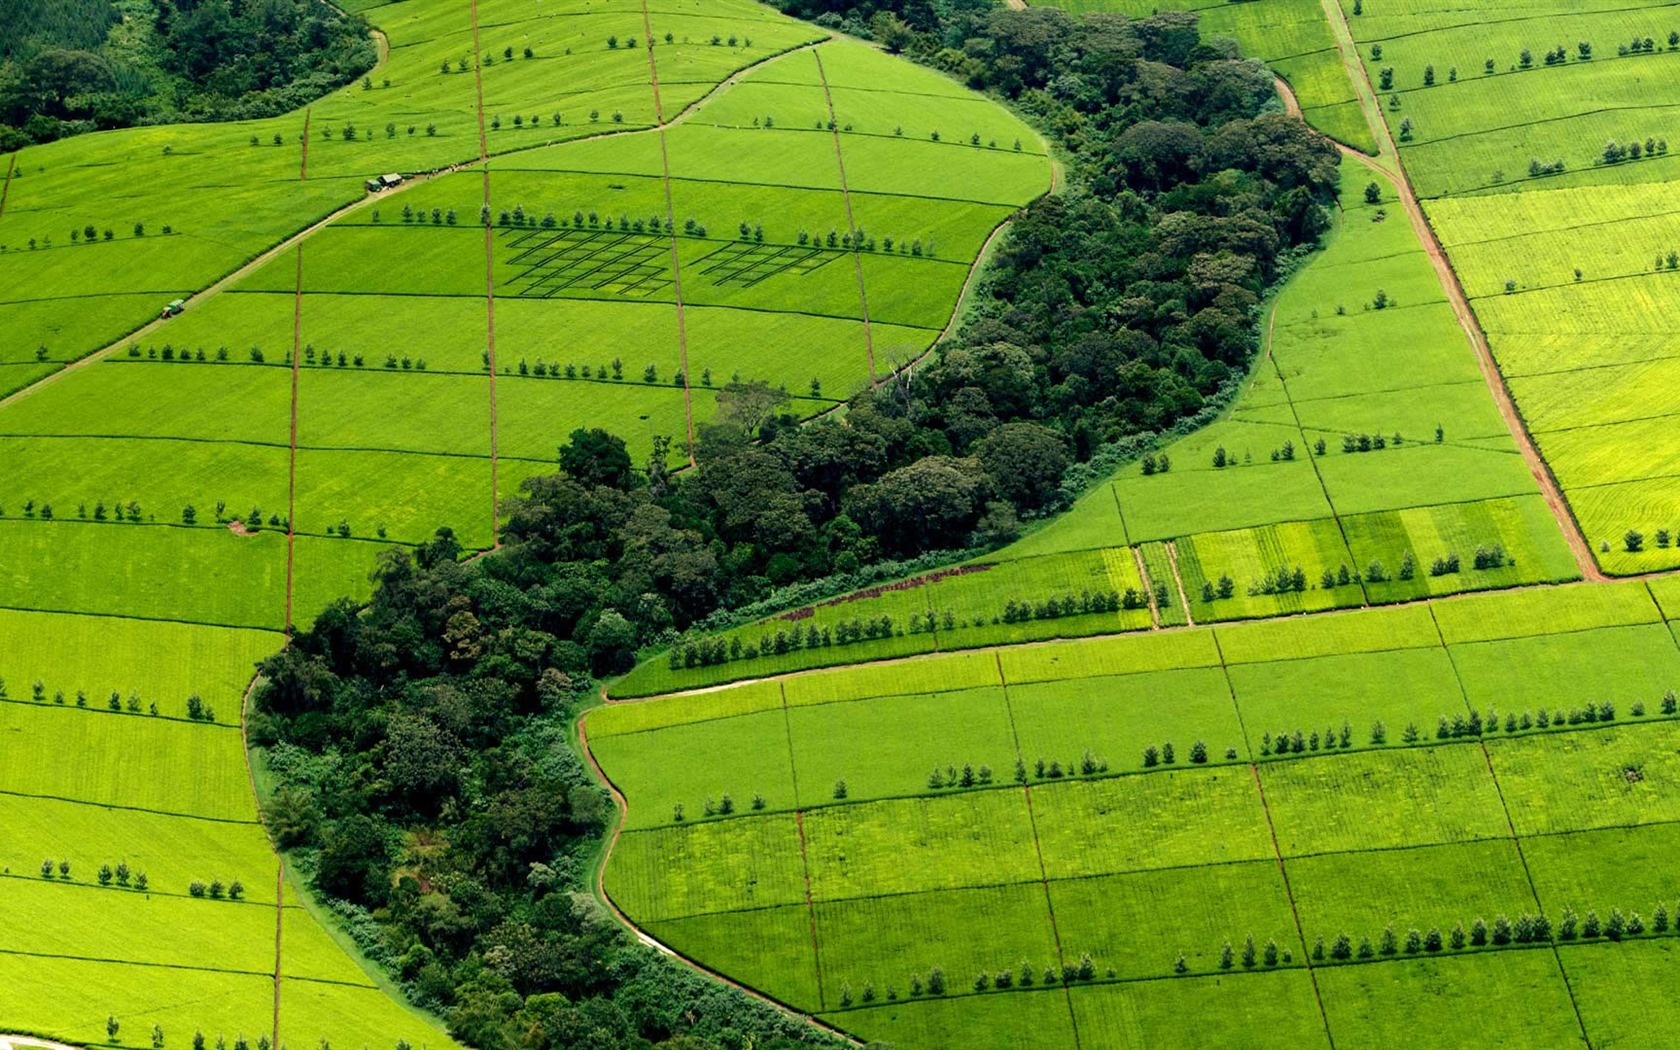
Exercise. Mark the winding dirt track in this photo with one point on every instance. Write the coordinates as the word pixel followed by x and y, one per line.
pixel 1467 321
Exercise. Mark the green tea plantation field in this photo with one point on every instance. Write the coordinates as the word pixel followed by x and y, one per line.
pixel 1435 825
pixel 607 212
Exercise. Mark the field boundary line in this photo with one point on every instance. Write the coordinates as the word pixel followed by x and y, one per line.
pixel 1148 589
pixel 172 814
pixel 1307 452
pixel 1562 511
pixel 804 854
pixel 490 348
pixel 851 223
pixel 291 456
pixel 303 165
pixel 622 804
pixel 1184 599
pixel 489 281
pixel 1277 849
pixel 1119 509
pixel 1038 854
pixel 671 224
pixel 1516 840
pixel 274 847
pixel 1003 205
pixel 107 961
pixel 6 184
pixel 1294 911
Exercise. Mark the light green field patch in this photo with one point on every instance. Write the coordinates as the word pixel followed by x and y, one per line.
pixel 1186 502
pixel 1138 922
pixel 705 868
pixel 162 764
pixel 171 851
pixel 1421 475
pixel 1108 656
pixel 947 671
pixel 1014 1020
pixel 1114 718
pixel 743 757
pixel 887 747
pixel 1573 781
pixel 1623 665
pixel 1254 558
pixel 1375 1005
pixel 1368 799
pixel 1608 512
pixel 881 940
pixel 1599 870
pixel 767 949
pixel 615 719
pixel 1523 527
pixel 1369 630
pixel 910 845
pixel 1433 887
pixel 1273 1009
pixel 1543 610
pixel 1150 820
pixel 1356 689
pixel 98 654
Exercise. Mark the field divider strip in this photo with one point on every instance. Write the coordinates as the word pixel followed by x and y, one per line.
pixel 1171 547
pixel 1148 589
pixel 1294 909
pixel 303 164
pixel 1277 849
pixel 671 224
pixel 490 348
pixel 1038 853
pixel 489 284
pixel 1516 840
pixel 1312 458
pixel 804 853
pixel 274 847
pixel 6 185
pixel 291 457
pixel 851 223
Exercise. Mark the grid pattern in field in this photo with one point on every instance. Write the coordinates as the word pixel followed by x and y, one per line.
pixel 1296 782
pixel 747 264
pixel 555 261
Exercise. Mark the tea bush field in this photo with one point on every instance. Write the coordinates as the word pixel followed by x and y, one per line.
pixel 1544 168
pixel 353 371
pixel 137 881
pixel 1307 829
pixel 1340 477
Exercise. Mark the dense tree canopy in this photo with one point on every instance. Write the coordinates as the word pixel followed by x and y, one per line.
pixel 420 744
pixel 63 70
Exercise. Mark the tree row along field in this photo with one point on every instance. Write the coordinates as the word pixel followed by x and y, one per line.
pixel 146 496
pixel 1540 144
pixel 132 826
pixel 1152 837
pixel 1340 478
pixel 790 273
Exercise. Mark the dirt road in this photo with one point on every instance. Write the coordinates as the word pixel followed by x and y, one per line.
pixel 1466 319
